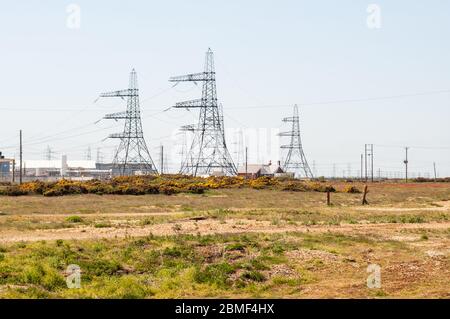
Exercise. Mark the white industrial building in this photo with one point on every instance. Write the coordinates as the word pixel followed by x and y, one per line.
pixel 64 168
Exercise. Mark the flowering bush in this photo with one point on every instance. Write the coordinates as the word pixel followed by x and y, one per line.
pixel 165 184
pixel 351 189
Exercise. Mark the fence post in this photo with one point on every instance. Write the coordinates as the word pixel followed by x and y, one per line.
pixel 364 201
pixel 328 198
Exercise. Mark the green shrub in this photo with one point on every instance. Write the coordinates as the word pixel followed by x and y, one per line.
pixel 235 246
pixel 214 274
pixel 74 219
pixel 253 276
pixel 53 193
pixel 100 267
pixel 294 187
pixel 13 191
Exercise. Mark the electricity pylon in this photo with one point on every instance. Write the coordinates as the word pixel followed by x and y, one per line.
pixel 208 152
pixel 49 153
pixel 295 161
pixel 239 148
pixel 132 155
pixel 88 154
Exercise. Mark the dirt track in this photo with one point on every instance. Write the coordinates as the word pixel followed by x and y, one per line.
pixel 207 227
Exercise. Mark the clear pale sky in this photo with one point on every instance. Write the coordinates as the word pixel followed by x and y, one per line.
pixel 269 56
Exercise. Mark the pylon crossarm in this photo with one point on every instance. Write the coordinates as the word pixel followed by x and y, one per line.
pixel 188 128
pixel 116 116
pixel 290 119
pixel 116 135
pixel 285 134
pixel 126 136
pixel 189 104
pixel 120 93
pixel 195 77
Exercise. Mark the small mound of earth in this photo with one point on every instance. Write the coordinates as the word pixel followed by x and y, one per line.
pixel 210 253
pixel 281 270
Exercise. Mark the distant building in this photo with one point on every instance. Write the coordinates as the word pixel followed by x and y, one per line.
pixel 65 169
pixel 259 170
pixel 6 167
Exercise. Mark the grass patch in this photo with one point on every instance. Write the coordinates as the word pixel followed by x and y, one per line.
pixel 74 219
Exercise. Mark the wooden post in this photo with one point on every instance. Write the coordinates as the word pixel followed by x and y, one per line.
pixel 246 162
pixel 364 201
pixel 14 171
pixel 328 198
pixel 21 158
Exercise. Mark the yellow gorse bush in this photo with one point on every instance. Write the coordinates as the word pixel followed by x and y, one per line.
pixel 162 184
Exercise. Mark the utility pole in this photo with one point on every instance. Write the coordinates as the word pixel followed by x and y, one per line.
pixel 406 164
pixel 14 171
pixel 21 158
pixel 162 159
pixel 246 161
pixel 371 154
pixel 362 167
pixel 365 161
pixel 368 151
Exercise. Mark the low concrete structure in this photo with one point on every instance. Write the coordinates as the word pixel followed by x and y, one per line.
pixel 258 170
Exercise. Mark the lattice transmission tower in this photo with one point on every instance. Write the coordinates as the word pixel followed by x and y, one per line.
pixel 208 152
pixel 132 155
pixel 295 161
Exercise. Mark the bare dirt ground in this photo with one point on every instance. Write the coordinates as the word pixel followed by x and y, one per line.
pixel 123 217
pixel 308 249
pixel 210 227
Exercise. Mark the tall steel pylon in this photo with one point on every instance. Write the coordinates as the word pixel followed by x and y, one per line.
pixel 295 161
pixel 132 155
pixel 239 148
pixel 208 152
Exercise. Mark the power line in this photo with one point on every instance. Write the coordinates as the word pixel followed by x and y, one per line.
pixel 356 100
pixel 415 147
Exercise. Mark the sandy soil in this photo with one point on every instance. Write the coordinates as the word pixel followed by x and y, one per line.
pixel 213 226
